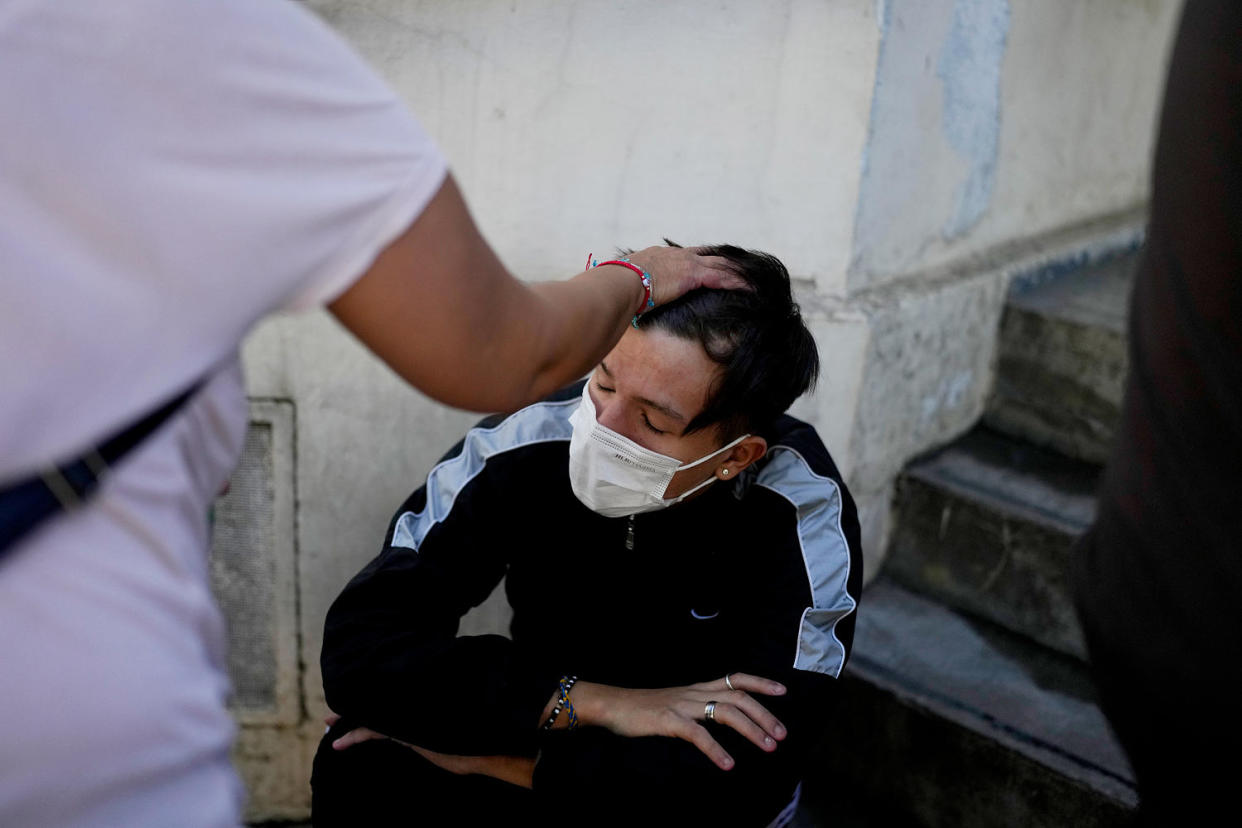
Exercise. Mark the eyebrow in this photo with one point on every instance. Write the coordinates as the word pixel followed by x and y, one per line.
pixel 666 410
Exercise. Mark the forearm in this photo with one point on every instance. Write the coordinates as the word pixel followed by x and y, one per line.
pixel 592 702
pixel 438 306
pixel 516 770
pixel 578 321
pixel 441 309
pixel 392 659
pixel 469 695
pixel 545 335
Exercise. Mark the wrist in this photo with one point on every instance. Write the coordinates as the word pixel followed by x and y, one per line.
pixel 516 770
pixel 590 701
pixel 563 703
pixel 642 282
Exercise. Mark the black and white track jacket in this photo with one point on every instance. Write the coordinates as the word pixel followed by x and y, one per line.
pixel 761 575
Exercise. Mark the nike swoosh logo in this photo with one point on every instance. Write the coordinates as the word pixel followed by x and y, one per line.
pixel 700 617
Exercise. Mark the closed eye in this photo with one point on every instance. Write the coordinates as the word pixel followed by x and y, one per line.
pixel 646 421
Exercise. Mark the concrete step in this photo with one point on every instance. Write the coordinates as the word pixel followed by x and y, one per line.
pixel 950 721
pixel 987 524
pixel 1062 357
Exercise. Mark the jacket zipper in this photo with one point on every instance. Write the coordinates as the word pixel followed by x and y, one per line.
pixel 629 534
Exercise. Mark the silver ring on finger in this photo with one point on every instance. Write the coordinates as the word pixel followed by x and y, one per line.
pixel 710 711
pixel 728 683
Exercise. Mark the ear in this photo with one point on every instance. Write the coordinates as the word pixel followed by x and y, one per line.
pixel 742 455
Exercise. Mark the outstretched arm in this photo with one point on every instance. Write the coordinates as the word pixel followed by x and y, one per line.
pixel 439 307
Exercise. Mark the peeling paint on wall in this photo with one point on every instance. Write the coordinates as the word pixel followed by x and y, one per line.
pixel 930 164
pixel 970 68
pixel 948 395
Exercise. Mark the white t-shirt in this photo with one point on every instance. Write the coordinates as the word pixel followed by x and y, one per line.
pixel 170 172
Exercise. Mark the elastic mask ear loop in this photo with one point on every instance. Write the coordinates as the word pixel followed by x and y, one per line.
pixel 707 457
pixel 710 480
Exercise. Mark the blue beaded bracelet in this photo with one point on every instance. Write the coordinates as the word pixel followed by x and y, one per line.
pixel 566 684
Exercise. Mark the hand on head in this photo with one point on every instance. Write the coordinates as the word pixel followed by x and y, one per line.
pixel 679 270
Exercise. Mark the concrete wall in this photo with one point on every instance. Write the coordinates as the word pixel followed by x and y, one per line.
pixel 995 121
pixel 1001 135
pixel 577 126
pixel 902 158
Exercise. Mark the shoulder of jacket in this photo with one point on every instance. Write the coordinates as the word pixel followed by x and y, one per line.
pixel 794 434
pixel 546 419
pixel 482 452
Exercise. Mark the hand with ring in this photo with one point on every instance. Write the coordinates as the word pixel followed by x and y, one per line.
pixel 682 712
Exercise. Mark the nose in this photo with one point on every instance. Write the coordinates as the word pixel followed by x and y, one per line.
pixel 608 412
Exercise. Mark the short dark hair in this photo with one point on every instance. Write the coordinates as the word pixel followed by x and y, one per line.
pixel 767 356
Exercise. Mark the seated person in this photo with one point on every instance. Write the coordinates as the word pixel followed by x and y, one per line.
pixel 683 565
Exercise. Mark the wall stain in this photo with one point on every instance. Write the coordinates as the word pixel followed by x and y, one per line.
pixel 970 69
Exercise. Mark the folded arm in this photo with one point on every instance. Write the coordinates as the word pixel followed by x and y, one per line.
pixel 392 660
pixel 651 740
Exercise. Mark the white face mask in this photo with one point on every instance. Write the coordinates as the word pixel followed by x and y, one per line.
pixel 614 476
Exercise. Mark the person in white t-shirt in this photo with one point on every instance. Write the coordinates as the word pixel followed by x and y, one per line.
pixel 170 173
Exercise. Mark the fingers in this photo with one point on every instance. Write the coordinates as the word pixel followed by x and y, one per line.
pixel 755 713
pixel 723 280
pixel 713 272
pixel 698 736
pixel 742 722
pixel 739 712
pixel 720 273
pixel 356 736
pixel 331 719
pixel 752 684
pixel 677 270
pixel 679 712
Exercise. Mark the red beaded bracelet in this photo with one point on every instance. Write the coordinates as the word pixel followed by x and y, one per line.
pixel 647 302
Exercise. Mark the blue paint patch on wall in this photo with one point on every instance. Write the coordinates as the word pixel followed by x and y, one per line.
pixel 970 69
pixel 1072 264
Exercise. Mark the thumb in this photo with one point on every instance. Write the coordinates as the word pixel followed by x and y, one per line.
pixel 356 736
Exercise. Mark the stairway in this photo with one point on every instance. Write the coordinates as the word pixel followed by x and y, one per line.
pixel 967 701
